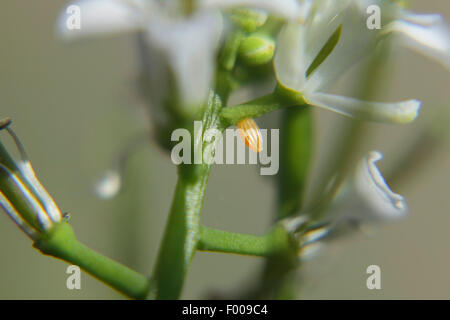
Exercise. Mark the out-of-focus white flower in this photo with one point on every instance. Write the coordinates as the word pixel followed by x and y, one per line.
pixel 183 46
pixel 182 43
pixel 366 197
pixel 23 197
pixel 363 199
pixel 428 34
pixel 341 25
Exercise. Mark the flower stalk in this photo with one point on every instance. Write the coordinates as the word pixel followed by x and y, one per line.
pixel 31 207
pixel 61 243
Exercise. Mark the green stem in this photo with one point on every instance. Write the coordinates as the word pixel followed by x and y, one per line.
pixel 296 146
pixel 225 81
pixel 61 243
pixel 269 245
pixel 183 226
pixel 278 278
pixel 182 233
pixel 252 109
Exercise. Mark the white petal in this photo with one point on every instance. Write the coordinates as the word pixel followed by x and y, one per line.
pixel 399 112
pixel 15 216
pixel 431 38
pixel 32 181
pixel 356 41
pixel 42 217
pixel 190 48
pixel 97 17
pixel 420 18
pixel 289 60
pixel 109 185
pixel 380 202
pixel 289 9
pixel 49 204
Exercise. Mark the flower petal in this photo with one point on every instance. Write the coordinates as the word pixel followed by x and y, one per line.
pixel 96 17
pixel 15 216
pixel 43 196
pixel 190 49
pixel 289 60
pixel 430 37
pixel 398 112
pixel 380 202
pixel 356 41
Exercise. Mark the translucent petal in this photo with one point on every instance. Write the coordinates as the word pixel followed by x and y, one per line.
pixel 190 47
pixel 356 42
pixel 431 38
pixel 289 61
pixel 365 197
pixel 325 17
pixel 45 198
pixel 398 112
pixel 15 216
pixel 33 183
pixel 380 202
pixel 42 217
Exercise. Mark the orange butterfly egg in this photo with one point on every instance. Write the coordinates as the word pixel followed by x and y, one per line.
pixel 249 132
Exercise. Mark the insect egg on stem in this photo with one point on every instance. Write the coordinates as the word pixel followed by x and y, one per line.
pixel 250 133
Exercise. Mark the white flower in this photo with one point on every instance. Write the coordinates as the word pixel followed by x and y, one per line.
pixel 427 34
pixel 180 47
pixel 299 44
pixel 42 212
pixel 366 197
pixel 178 44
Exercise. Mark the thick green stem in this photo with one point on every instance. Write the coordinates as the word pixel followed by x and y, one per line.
pixel 182 230
pixel 272 244
pixel 296 144
pixel 182 233
pixel 61 243
pixel 296 148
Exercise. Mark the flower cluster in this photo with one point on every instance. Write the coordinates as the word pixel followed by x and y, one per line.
pixel 319 40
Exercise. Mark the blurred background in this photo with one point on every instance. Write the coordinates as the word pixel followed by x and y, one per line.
pixel 74 105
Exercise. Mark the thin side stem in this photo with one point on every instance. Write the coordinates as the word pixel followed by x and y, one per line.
pixel 253 109
pixel 271 244
pixel 61 243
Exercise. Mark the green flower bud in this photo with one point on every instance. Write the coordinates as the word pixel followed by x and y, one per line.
pixel 257 49
pixel 249 19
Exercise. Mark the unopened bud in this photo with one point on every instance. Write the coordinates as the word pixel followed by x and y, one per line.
pixel 257 49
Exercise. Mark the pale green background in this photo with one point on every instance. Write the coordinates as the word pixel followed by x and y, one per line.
pixel 74 104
